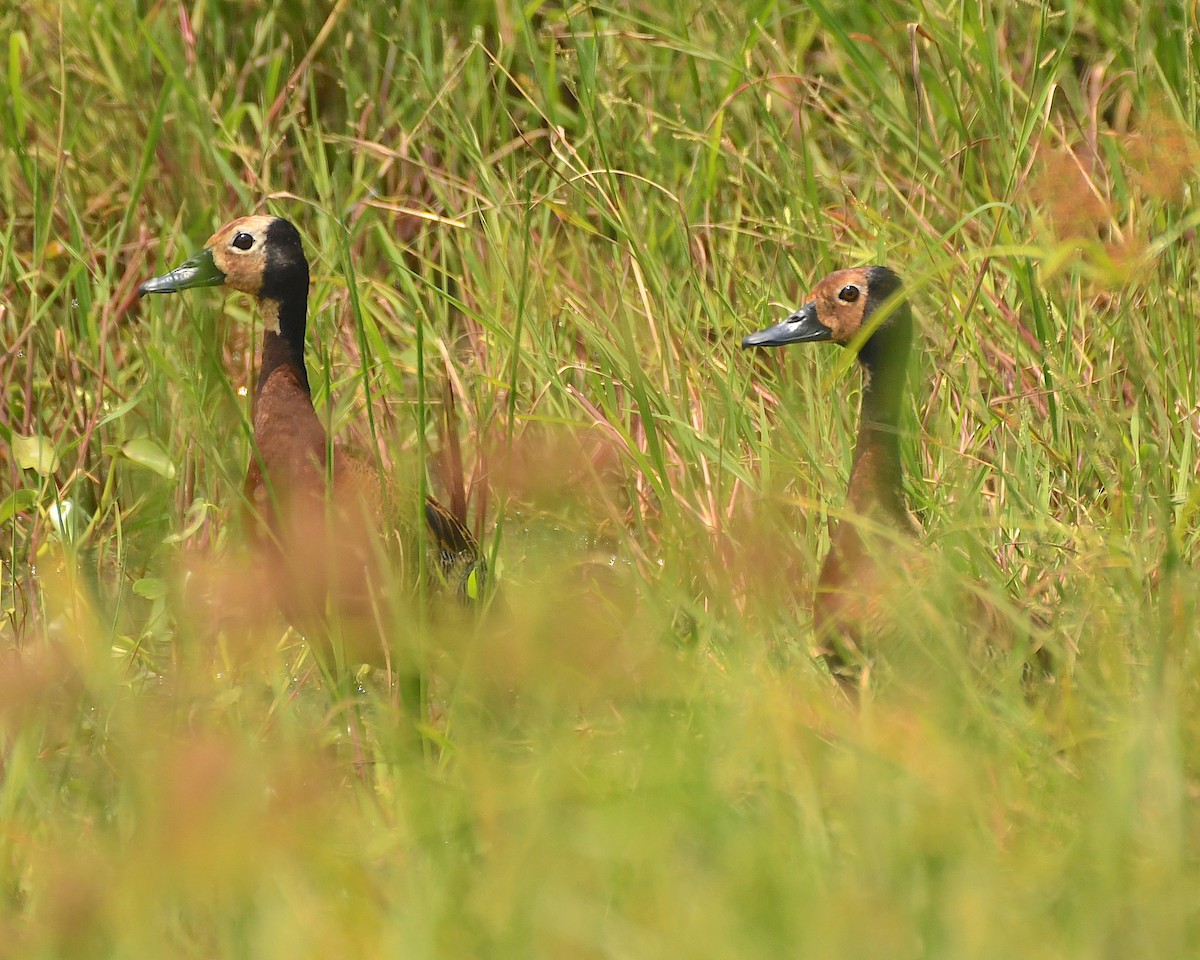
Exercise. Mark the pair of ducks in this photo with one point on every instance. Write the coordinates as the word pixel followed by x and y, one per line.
pixel 288 478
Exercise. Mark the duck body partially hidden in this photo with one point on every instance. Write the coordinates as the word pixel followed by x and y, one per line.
pixel 862 309
pixel 313 524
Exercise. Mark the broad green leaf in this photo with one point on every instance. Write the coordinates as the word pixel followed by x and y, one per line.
pixel 151 588
pixel 146 453
pixel 35 453
pixel 15 502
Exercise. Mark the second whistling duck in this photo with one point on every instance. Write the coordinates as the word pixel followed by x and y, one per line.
pixel 843 311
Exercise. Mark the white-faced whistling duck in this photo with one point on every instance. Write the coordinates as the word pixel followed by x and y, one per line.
pixel 841 311
pixel 287 480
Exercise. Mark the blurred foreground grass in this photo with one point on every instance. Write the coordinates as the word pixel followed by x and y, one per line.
pixel 559 222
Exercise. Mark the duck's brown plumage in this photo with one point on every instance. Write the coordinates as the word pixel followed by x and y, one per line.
pixel 842 311
pixel 322 536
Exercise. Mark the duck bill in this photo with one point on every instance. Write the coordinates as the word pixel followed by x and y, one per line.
pixel 801 327
pixel 197 271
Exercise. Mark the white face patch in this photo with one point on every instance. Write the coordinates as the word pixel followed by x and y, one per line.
pixel 270 314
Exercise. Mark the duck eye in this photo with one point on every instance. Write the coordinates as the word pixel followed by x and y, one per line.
pixel 848 294
pixel 243 241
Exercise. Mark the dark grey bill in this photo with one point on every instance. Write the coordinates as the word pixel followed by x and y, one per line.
pixel 197 271
pixel 801 327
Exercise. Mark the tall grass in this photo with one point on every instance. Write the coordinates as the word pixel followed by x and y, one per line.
pixel 539 232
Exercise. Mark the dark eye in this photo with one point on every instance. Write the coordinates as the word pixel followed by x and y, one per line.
pixel 848 294
pixel 243 241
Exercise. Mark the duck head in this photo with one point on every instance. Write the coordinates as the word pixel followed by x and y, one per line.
pixel 840 312
pixel 258 255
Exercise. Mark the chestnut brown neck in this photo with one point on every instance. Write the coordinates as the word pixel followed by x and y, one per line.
pixel 286 348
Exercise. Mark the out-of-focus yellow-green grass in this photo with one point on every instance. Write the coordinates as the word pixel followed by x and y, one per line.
pixel 543 231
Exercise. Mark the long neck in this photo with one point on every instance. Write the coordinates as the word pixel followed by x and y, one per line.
pixel 283 343
pixel 875 476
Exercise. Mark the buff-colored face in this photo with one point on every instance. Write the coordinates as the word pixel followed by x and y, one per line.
pixel 239 251
pixel 841 301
